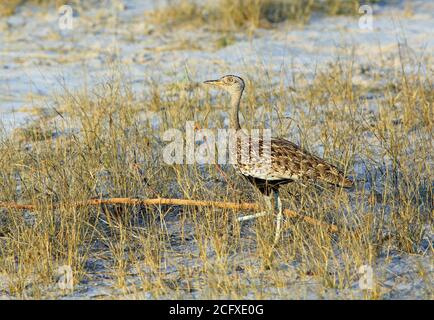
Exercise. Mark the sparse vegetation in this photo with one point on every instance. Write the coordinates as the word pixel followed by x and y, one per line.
pixel 374 119
pixel 106 145
pixel 241 14
pixel 8 7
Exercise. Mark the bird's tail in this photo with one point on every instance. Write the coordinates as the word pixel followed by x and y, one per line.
pixel 346 183
pixel 340 181
pixel 336 177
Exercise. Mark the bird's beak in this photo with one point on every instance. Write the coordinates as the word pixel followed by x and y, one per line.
pixel 213 82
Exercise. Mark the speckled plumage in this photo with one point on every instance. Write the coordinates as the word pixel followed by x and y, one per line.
pixel 270 162
pixel 283 163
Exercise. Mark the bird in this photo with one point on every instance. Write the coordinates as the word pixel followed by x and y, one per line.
pixel 285 161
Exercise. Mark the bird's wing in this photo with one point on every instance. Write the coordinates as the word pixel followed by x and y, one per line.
pixel 292 162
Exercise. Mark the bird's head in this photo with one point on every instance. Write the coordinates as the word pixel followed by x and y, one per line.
pixel 230 83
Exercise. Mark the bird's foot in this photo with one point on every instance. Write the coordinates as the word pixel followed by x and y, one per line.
pixel 253 216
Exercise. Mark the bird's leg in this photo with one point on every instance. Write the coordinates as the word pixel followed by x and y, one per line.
pixel 268 204
pixel 278 205
pixel 253 216
pixel 260 214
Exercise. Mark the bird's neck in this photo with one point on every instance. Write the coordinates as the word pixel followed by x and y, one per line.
pixel 235 108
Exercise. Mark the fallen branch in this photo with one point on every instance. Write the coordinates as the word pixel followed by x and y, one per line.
pixel 176 202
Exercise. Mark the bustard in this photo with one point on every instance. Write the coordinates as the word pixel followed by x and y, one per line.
pixel 288 162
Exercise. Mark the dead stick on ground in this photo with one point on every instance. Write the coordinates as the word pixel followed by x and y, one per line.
pixel 176 202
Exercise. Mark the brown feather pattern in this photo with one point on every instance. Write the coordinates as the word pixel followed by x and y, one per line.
pixel 285 161
pixel 281 161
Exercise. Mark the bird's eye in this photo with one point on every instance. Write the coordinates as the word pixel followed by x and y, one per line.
pixel 230 80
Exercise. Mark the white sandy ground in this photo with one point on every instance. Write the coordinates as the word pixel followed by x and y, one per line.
pixel 37 59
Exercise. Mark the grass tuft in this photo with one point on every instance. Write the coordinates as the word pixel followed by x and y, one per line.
pixel 108 143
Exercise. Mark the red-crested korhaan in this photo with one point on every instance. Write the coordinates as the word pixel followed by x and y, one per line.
pixel 285 162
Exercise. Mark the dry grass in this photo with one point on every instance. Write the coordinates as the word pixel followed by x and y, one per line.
pixel 9 7
pixel 107 144
pixel 247 14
